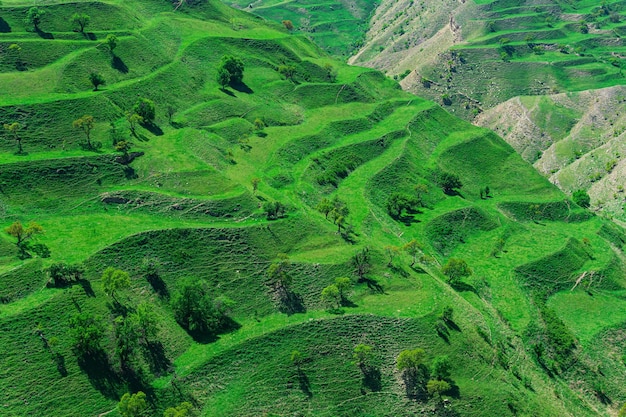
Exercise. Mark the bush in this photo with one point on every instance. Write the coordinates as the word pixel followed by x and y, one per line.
pixel 581 198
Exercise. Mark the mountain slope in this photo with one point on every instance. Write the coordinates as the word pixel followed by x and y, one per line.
pixel 193 196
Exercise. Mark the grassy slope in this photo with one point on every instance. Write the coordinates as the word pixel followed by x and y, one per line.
pixel 188 204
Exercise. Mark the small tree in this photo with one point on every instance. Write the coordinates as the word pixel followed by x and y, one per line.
pixel 325 206
pixel 171 110
pixel 33 17
pixel 184 409
pixel 277 273
pixel 234 67
pixel 196 311
pixel 448 182
pixel 331 297
pixel 343 284
pixel 331 72
pixel 145 108
pixel 581 198
pixel 255 184
pixel 441 367
pixel 437 387
pixel 362 355
pixel 420 190
pixel 134 405
pixel 287 71
pixel 111 42
pixel 96 80
pixel 114 280
pixel 124 147
pixel 391 252
pixel 274 209
pixel 297 358
pixel 86 331
pixel 288 24
pixel 223 77
pixel 399 202
pixel 13 129
pixel 412 248
pixel 80 20
pixel 133 120
pixel 455 269
pixel 126 337
pixel 86 124
pixel 361 263
pixel 410 360
pixel 14 52
pixel 23 234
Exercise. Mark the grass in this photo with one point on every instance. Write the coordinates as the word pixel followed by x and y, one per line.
pixel 187 205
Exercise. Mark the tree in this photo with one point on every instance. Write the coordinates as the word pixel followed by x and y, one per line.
pixel 274 209
pixel 145 108
pixel 288 25
pixel 96 80
pixel 331 72
pixel 437 387
pixel 259 125
pixel 223 77
pixel 86 331
pixel 331 297
pixel 123 146
pixel 391 252
pixel 441 367
pixel 343 284
pixel 23 234
pixel 362 355
pixel 126 337
pixel 147 322
pixel 255 184
pixel 420 190
pixel 196 311
pixel 33 17
pixel 184 409
pixel 234 67
pixel 413 248
pixel 399 202
pixel 134 405
pixel 14 52
pixel 410 360
pixel 114 280
pixel 133 120
pixel 62 273
pixel 455 269
pixel 448 182
pixel 361 263
pixel 277 273
pixel 86 124
pixel 447 314
pixel 13 129
pixel 80 20
pixel 581 198
pixel 325 206
pixel 287 71
pixel 111 42
pixel 297 358
pixel 339 210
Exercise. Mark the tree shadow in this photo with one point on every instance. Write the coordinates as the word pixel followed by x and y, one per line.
pixel 227 325
pixel 305 384
pixel 44 35
pixel 59 361
pixel 415 383
pixel 130 173
pixel 227 92
pixel 100 373
pixel 463 287
pixel 454 391
pixel 90 36
pixel 372 378
pixel 118 64
pixel 117 308
pixel 347 303
pixel 372 284
pixel 158 285
pixel 4 26
pixel 153 128
pixel 452 325
pixel 154 354
pixel 241 87
pixel 86 285
pixel 291 303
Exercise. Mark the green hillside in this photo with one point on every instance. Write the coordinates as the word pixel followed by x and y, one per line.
pixel 239 206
